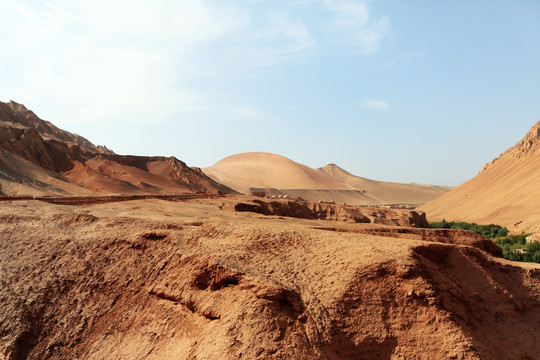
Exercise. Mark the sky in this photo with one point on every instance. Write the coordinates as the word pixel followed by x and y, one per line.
pixel 408 91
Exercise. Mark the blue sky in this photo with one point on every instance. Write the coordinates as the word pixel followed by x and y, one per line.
pixel 409 91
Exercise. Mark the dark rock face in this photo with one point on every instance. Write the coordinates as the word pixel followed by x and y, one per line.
pixel 417 219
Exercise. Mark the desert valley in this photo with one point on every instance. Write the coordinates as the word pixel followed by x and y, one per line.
pixel 107 256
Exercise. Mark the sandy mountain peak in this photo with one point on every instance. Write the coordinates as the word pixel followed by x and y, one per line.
pixel 526 147
pixel 333 168
pixel 529 144
pixel 252 156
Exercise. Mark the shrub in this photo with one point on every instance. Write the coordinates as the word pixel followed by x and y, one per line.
pixel 491 231
pixel 533 252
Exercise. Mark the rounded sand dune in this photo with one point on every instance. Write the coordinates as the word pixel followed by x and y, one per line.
pixel 265 170
pixel 278 175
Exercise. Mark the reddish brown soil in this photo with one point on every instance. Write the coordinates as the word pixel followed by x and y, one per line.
pixel 156 279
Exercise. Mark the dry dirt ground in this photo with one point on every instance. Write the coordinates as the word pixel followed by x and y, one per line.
pixel 156 279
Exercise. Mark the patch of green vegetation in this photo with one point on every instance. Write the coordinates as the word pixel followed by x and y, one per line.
pixel 490 231
pixel 515 247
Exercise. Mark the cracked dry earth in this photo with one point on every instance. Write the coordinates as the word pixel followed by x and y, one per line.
pixel 158 279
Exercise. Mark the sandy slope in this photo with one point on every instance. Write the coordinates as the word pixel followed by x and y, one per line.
pixel 386 192
pixel 20 176
pixel 505 192
pixel 275 174
pixel 156 279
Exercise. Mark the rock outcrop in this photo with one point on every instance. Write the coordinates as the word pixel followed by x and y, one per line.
pixel 354 214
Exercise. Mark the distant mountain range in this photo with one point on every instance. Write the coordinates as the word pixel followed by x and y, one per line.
pixel 278 175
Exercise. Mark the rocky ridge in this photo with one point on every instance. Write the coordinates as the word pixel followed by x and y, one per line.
pixel 77 162
pixel 526 147
pixel 19 114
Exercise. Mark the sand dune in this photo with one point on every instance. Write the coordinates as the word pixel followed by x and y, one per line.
pixel 264 170
pixel 505 192
pixel 275 174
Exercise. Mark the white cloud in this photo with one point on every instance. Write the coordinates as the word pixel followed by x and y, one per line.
pixel 357 25
pixel 294 31
pixel 375 104
pixel 99 60
pixel 248 114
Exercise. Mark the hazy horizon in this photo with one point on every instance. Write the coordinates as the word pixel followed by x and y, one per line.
pixel 392 91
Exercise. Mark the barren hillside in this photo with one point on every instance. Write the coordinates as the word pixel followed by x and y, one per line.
pixel 37 158
pixel 505 192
